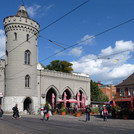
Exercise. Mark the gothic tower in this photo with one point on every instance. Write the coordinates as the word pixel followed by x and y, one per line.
pixel 21 61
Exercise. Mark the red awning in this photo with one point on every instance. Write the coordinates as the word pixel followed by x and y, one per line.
pixel 123 99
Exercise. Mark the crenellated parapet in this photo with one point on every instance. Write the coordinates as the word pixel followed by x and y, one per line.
pixel 62 75
pixel 14 23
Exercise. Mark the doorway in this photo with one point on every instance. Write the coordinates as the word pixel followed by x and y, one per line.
pixel 28 105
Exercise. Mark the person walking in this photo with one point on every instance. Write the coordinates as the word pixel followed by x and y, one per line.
pixel 1 113
pixel 45 112
pixel 15 112
pixel 88 110
pixel 105 114
pixel 100 110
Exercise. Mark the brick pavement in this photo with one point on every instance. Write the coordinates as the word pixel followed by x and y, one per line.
pixel 95 120
pixel 68 121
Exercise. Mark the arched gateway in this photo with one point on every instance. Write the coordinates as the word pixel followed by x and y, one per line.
pixel 28 105
pixel 49 94
pixel 59 83
pixel 37 85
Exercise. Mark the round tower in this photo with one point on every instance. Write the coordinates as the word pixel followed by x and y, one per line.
pixel 21 61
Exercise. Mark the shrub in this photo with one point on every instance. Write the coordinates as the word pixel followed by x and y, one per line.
pixel 96 109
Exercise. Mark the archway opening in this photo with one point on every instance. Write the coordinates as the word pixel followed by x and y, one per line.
pixel 49 96
pixel 28 105
pixel 68 93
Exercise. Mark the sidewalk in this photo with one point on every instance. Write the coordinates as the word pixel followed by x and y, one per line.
pixel 95 120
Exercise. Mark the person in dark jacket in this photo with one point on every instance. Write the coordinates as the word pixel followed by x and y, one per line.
pixel 15 112
pixel 88 110
pixel 45 112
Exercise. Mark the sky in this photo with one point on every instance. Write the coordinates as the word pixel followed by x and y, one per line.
pixel 107 57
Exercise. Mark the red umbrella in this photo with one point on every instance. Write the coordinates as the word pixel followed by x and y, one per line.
pixel 53 97
pixel 114 104
pixel 72 101
pixel 65 98
pixel 83 101
pixel 78 99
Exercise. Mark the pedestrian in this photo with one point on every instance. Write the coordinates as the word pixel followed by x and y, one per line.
pixel 100 110
pixel 88 110
pixel 1 113
pixel 105 114
pixel 15 112
pixel 45 111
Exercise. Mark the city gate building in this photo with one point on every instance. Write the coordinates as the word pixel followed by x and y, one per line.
pixel 23 80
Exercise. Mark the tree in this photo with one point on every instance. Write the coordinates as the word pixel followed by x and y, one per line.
pixel 97 94
pixel 62 66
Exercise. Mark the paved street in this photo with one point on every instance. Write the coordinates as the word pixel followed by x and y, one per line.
pixel 57 124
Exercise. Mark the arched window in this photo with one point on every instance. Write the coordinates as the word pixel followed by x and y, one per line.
pixel 27 81
pixel 15 36
pixel 27 37
pixel 27 57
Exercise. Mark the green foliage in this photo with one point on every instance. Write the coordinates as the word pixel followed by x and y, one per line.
pixel 48 105
pixel 62 66
pixel 102 97
pixel 96 109
pixel 97 94
pixel 63 109
pixel 116 108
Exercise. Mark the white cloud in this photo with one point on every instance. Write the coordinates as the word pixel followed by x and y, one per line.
pixel 33 10
pixel 38 10
pixel 106 69
pixel 76 51
pixel 119 46
pixel 2 43
pixel 49 7
pixel 87 39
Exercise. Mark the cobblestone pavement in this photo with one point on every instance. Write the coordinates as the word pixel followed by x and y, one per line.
pixel 95 120
pixel 68 124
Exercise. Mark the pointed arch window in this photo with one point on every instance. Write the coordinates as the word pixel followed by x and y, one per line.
pixel 15 36
pixel 27 37
pixel 27 81
pixel 27 57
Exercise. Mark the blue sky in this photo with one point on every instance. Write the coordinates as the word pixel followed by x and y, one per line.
pixel 92 18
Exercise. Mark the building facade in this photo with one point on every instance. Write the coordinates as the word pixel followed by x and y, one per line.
pixel 2 80
pixel 109 90
pixel 125 93
pixel 24 82
pixel 126 88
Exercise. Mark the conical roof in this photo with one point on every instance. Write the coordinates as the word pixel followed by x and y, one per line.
pixel 22 12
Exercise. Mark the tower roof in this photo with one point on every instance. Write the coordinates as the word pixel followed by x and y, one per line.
pixel 22 12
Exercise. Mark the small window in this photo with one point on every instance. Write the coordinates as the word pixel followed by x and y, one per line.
pixel 6 38
pixel 6 53
pixel 113 94
pixel 27 57
pixel 130 91
pixel 122 92
pixel 27 81
pixel 27 37
pixel 15 36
